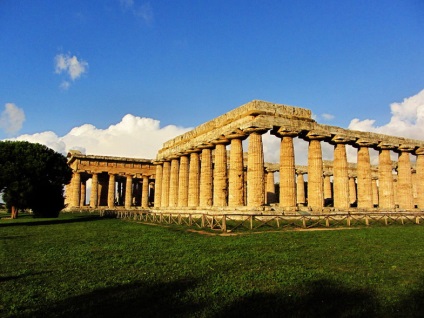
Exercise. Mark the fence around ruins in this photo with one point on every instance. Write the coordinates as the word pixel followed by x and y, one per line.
pixel 244 222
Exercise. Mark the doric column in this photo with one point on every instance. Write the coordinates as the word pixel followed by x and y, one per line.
pixel 145 192
pixel 111 191
pixel 328 191
pixel 183 181
pixel 315 170
pixel 270 196
pixel 352 190
pixel 220 188
pixel 165 184
pixel 375 201
pixel 404 186
pixel 158 184
pixel 76 189
pixel 194 178
pixel 287 167
pixel 235 173
pixel 173 182
pixel 364 177
pixel 206 172
pixel 128 191
pixel 420 177
pixel 83 192
pixel 255 168
pixel 300 187
pixel 94 190
pixel 414 187
pixel 340 173
pixel 385 178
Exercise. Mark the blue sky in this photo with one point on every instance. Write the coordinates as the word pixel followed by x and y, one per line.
pixel 65 64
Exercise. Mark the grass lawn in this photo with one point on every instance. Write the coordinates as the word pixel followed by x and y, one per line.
pixel 85 266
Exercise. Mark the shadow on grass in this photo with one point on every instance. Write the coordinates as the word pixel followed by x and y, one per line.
pixel 132 300
pixel 40 221
pixel 321 298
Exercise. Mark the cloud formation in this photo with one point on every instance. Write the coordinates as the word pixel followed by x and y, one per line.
pixel 11 118
pixel 71 67
pixel 133 136
pixel 143 11
pixel 407 119
pixel 141 137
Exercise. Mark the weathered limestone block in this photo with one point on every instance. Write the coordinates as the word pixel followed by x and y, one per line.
pixel 420 177
pixel 340 174
pixel 173 182
pixel 183 181
pixel 287 168
pixel 220 173
pixel 300 187
pixel 83 192
pixel 328 189
pixel 385 178
pixel 166 171
pixel 76 189
pixel 206 185
pixel 194 179
pixel 270 196
pixel 94 191
pixel 158 184
pixel 315 170
pixel 128 191
pixel 255 168
pixel 364 177
pixel 145 192
pixel 404 187
pixel 375 200
pixel 235 173
pixel 111 192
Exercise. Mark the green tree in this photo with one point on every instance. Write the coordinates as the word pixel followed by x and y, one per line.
pixel 32 176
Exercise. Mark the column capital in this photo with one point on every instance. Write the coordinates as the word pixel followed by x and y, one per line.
pixel 419 151
pixel 301 171
pixel 285 131
pixel 317 135
pixel 157 162
pixel 206 145
pixel 341 139
pixel 362 142
pixel 194 150
pixel 257 130
pixel 383 145
pixel 405 148
pixel 221 141
pixel 237 134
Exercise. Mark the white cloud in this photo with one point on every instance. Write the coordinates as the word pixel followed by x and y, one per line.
pixel 327 116
pixel 12 118
pixel 71 66
pixel 133 136
pixel 407 119
pixel 143 11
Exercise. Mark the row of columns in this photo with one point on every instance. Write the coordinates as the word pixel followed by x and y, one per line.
pixel 186 180
pixel 126 192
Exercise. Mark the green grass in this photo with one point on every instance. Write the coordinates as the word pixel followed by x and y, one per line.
pixel 85 266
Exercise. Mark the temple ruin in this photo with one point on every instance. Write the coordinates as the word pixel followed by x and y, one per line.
pixel 207 169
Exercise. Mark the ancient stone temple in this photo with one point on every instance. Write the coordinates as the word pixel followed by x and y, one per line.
pixel 115 182
pixel 208 170
pixel 234 182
